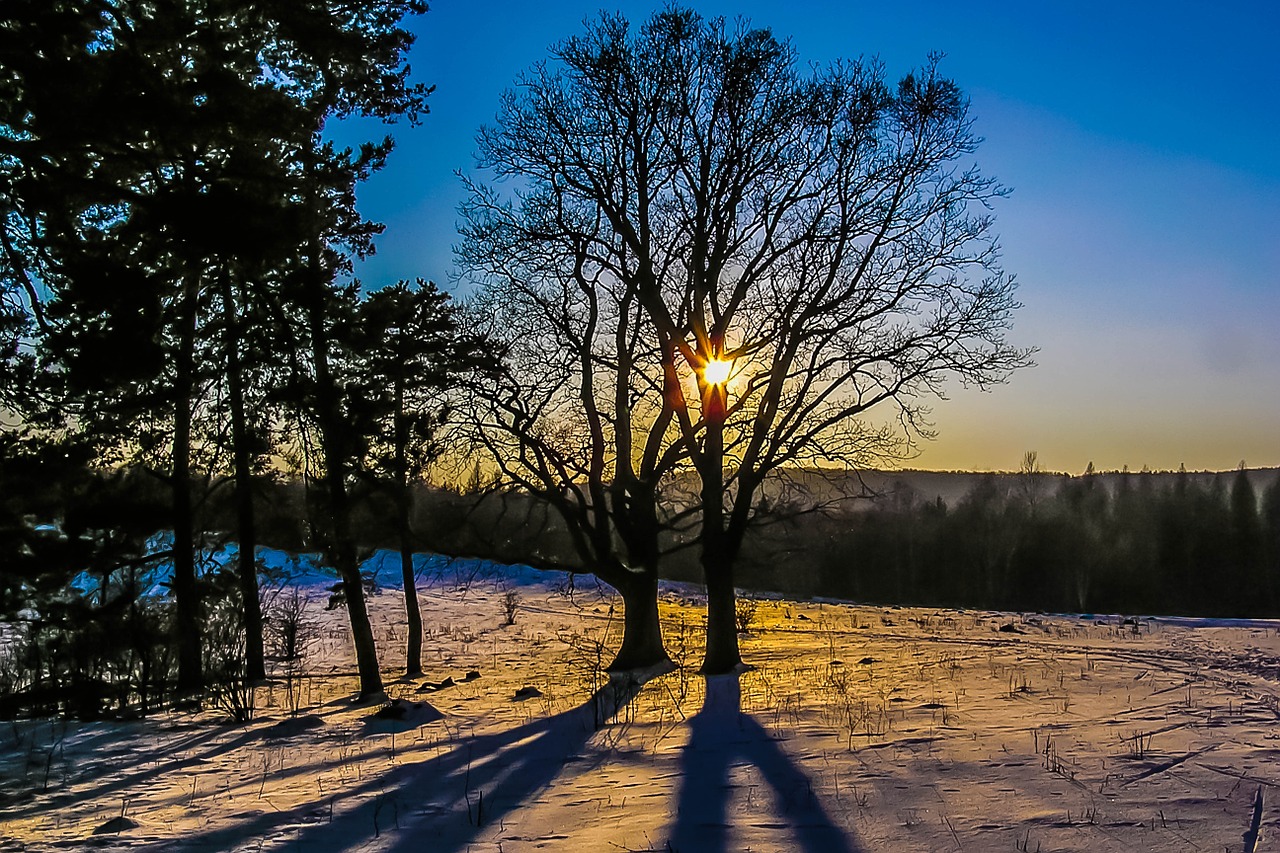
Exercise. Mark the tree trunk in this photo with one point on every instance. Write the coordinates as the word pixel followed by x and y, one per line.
pixel 336 446
pixel 343 549
pixel 362 638
pixel 413 648
pixel 404 505
pixel 722 655
pixel 344 554
pixel 642 646
pixel 246 534
pixel 186 595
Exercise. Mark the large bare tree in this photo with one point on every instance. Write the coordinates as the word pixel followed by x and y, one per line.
pixel 575 413
pixel 801 258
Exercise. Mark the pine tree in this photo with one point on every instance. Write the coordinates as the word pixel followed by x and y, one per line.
pixel 410 348
pixel 346 59
pixel 166 180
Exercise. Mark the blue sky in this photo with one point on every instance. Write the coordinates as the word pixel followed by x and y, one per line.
pixel 1142 144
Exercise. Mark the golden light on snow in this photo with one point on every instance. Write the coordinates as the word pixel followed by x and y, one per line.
pixel 716 371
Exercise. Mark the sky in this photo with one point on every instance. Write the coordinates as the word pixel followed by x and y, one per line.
pixel 1142 144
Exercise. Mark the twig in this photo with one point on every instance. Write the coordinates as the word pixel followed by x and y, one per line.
pixel 1255 825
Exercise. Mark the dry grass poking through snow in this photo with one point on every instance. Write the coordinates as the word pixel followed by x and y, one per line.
pixel 859 729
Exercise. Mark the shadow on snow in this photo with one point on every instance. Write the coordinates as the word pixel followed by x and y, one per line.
pixel 721 737
pixel 441 794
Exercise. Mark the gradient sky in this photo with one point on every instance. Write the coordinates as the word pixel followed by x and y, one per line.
pixel 1142 144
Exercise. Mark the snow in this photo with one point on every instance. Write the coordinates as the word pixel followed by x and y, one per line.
pixel 307 570
pixel 857 729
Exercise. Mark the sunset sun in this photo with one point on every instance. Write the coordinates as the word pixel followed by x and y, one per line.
pixel 717 371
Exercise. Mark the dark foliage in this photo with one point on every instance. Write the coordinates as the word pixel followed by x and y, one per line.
pixel 1126 543
pixel 168 205
pixel 79 636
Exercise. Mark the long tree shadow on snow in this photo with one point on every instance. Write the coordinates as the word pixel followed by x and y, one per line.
pixel 721 736
pixel 441 795
pixel 90 776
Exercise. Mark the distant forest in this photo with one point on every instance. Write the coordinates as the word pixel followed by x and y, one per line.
pixel 1191 543
pixel 1178 543
pixel 1168 543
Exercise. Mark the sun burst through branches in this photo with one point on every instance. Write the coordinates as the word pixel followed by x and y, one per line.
pixel 716 371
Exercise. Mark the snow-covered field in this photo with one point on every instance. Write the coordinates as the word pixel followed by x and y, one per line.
pixel 858 729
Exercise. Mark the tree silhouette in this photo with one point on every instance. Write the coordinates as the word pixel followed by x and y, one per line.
pixel 130 232
pixel 1270 524
pixel 409 350
pixel 688 198
pixel 166 180
pixel 332 60
pixel 1250 584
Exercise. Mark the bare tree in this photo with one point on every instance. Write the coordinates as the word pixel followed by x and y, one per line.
pixel 575 414
pixel 789 250
pixel 1030 480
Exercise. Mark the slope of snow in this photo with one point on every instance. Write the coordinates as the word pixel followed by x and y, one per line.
pixel 858 729
pixel 282 568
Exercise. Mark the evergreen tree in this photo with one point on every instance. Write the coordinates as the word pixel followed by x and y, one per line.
pixel 148 148
pixel 1270 524
pixel 131 258
pixel 1246 547
pixel 409 348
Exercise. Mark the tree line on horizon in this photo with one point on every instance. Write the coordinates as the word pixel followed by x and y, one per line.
pixel 1116 543
pixel 694 264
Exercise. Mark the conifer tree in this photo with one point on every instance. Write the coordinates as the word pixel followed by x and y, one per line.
pixel 410 349
pixel 167 190
pixel 342 59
